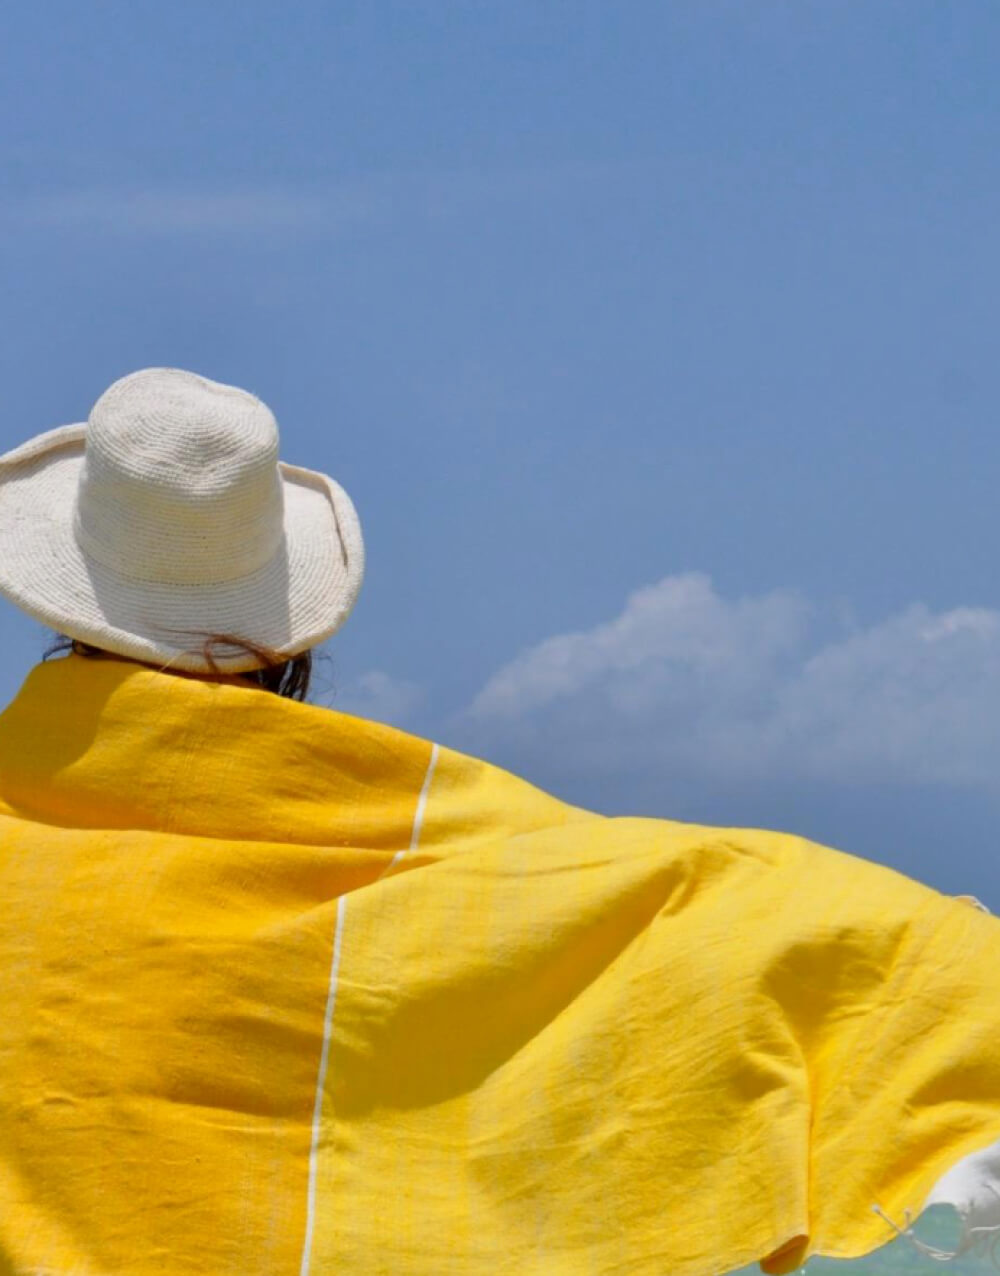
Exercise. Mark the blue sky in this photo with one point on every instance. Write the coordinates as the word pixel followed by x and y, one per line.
pixel 654 342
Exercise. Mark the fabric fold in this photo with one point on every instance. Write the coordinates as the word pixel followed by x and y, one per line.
pixel 289 991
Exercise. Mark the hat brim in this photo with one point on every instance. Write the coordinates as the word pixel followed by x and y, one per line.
pixel 294 602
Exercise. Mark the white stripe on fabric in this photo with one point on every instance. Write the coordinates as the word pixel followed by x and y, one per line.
pixel 418 818
pixel 324 1059
pixel 331 1001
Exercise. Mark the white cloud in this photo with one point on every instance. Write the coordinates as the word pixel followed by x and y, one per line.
pixel 913 699
pixel 379 697
pixel 675 635
pixel 373 199
pixel 685 685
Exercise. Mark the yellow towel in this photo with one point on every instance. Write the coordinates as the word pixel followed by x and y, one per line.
pixel 284 991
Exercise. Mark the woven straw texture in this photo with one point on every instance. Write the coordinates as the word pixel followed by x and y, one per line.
pixel 167 519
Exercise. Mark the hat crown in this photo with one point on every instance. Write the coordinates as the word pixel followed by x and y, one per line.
pixel 180 483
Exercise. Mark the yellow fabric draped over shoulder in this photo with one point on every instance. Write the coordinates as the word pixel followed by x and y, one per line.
pixel 285 991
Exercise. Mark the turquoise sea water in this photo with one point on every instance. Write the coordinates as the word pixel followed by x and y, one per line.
pixel 938 1227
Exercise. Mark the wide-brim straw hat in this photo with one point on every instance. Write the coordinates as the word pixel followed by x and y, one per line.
pixel 167 519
